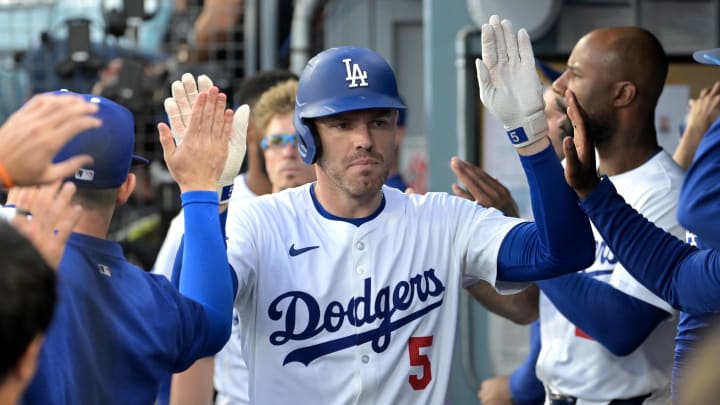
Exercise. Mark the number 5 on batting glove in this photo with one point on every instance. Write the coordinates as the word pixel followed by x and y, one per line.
pixel 509 84
pixel 179 108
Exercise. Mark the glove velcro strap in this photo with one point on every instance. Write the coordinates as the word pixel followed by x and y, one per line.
pixel 225 192
pixel 528 131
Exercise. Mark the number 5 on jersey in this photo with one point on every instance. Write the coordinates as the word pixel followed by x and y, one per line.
pixel 419 382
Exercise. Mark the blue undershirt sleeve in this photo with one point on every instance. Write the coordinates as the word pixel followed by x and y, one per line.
pixel 525 387
pixel 699 207
pixel 616 320
pixel 685 277
pixel 177 264
pixel 205 275
pixel 560 240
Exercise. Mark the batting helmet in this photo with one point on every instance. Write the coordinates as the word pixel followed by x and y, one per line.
pixel 338 80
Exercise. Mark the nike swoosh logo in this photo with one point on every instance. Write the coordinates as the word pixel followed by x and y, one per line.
pixel 295 252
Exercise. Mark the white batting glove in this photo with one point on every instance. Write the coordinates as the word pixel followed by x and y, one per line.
pixel 509 84
pixel 179 107
pixel 236 153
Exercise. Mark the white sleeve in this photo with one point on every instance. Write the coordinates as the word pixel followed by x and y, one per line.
pixel 480 234
pixel 166 256
pixel 242 235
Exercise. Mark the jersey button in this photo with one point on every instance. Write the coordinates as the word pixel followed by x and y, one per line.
pixel 360 270
pixel 360 246
pixel 365 358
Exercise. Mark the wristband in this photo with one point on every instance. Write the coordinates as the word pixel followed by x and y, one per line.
pixel 529 131
pixel 5 177
pixel 225 192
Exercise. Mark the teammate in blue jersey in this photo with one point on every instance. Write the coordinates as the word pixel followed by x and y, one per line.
pixel 117 329
pixel 685 276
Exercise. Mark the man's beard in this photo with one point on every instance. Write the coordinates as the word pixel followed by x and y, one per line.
pixel 600 129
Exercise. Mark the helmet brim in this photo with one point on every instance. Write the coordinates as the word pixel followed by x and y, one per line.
pixel 325 108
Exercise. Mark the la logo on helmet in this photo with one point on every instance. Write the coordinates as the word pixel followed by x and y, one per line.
pixel 354 74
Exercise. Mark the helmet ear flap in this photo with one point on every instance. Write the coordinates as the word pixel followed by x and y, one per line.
pixel 306 147
pixel 316 140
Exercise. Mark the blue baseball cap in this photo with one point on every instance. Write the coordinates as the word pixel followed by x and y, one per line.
pixel 707 56
pixel 111 146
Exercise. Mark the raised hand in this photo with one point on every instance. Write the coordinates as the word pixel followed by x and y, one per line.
pixel 580 169
pixel 179 107
pixel 482 187
pixel 198 162
pixel 32 136
pixel 509 84
pixel 704 110
pixel 46 216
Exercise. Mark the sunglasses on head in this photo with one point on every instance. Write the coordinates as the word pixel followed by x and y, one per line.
pixel 278 140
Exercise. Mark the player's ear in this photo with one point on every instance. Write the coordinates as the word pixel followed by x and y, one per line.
pixel 126 189
pixel 625 93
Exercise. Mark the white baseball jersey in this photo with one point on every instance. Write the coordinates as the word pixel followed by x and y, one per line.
pixel 570 362
pixel 231 374
pixel 335 313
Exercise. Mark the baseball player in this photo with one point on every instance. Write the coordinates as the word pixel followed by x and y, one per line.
pixel 112 339
pixel 605 338
pixel 684 275
pixel 348 289
pixel 230 371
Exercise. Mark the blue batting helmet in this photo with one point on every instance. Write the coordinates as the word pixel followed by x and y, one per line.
pixel 338 80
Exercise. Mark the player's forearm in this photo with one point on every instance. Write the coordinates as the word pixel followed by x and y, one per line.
pixel 205 275
pixel 687 147
pixel 525 387
pixel 682 275
pixel 521 308
pixel 699 206
pixel 616 320
pixel 560 241
pixel 194 385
